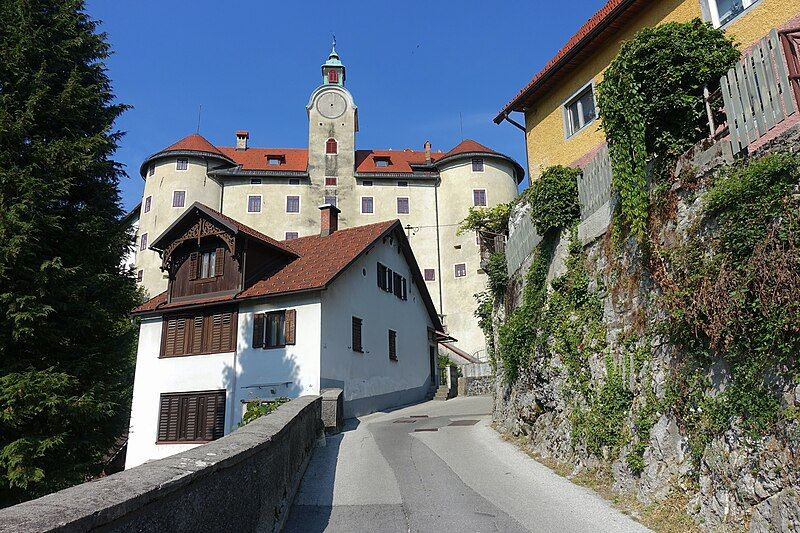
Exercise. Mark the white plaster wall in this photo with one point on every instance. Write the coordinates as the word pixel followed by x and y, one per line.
pixel 372 373
pixel 239 373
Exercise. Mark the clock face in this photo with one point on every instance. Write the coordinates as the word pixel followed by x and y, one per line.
pixel 331 105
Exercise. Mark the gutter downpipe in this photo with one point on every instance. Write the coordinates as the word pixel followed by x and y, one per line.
pixel 524 141
pixel 438 248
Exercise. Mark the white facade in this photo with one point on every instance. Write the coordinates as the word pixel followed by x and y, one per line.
pixel 321 357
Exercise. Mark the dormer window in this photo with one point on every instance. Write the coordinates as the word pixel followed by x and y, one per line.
pixel 382 162
pixel 276 160
pixel 331 147
pixel 208 264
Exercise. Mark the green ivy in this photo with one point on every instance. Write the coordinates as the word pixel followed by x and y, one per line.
pixel 491 219
pixel 257 408
pixel 497 271
pixel 650 104
pixel 554 198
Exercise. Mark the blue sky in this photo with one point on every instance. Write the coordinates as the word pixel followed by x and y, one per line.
pixel 417 70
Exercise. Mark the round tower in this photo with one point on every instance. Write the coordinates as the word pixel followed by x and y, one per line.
pixel 471 175
pixel 175 178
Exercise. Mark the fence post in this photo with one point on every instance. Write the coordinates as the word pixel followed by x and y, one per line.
pixel 707 97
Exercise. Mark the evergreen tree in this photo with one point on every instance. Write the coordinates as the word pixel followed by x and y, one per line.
pixel 66 341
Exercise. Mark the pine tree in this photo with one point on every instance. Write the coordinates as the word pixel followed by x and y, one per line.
pixel 66 341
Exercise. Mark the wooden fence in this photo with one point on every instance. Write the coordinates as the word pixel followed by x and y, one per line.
pixel 757 93
pixel 594 186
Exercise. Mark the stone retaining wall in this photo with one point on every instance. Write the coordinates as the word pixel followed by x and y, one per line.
pixel 244 481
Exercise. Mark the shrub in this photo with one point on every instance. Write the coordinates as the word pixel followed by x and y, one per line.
pixel 497 271
pixel 491 219
pixel 554 198
pixel 650 103
pixel 257 409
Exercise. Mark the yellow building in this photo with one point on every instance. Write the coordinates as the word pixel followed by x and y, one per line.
pixel 559 101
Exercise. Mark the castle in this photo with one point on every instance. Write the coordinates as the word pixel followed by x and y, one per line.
pixel 277 191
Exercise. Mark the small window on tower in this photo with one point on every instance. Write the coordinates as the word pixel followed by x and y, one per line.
pixel 333 76
pixel 330 200
pixel 331 181
pixel 477 164
pixel 290 235
pixel 331 147
pixel 294 181
pixel 182 164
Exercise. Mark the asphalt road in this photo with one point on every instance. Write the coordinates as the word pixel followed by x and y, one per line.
pixel 439 467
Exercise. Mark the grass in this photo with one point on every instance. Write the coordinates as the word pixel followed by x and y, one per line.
pixel 666 516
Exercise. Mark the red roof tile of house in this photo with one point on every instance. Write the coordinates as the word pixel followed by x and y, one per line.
pixel 320 259
pixel 293 159
pixel 469 146
pixel 599 28
pixel 193 143
pixel 399 160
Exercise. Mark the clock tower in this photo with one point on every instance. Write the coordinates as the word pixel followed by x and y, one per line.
pixel 332 126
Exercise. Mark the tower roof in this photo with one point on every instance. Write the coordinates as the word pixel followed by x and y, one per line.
pixel 333 58
pixel 194 144
pixel 469 148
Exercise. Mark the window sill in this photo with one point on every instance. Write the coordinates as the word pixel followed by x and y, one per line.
pixel 195 354
pixel 576 132
pixel 276 347
pixel 159 442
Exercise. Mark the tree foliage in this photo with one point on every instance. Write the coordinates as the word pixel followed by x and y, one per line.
pixel 491 219
pixel 66 342
pixel 650 103
pixel 554 198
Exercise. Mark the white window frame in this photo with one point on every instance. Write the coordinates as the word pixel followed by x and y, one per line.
pixel 299 204
pixel 361 205
pixel 483 164
pixel 575 99
pixel 397 205
pixel 485 197
pixel 713 11
pixel 143 242
pixel 173 199
pixel 326 146
pixel 178 164
pixel 454 270
pixel 426 280
pixel 260 203
pixel 325 201
pixel 335 181
pixel 148 204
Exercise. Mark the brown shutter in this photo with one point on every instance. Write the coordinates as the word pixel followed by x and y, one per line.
pixel 197 335
pixel 219 261
pixel 168 346
pixel 189 429
pixel 181 334
pixel 216 333
pixel 290 321
pixel 168 418
pixel 258 330
pixel 193 266
pixel 226 334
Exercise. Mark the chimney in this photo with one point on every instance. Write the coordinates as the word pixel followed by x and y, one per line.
pixel 241 139
pixel 428 152
pixel 329 219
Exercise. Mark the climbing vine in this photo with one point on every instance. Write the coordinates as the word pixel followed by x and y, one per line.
pixel 650 104
pixel 553 197
pixel 490 219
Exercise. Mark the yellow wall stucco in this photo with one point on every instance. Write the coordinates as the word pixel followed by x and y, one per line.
pixel 545 139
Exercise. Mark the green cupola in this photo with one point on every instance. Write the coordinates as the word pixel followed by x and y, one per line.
pixel 333 70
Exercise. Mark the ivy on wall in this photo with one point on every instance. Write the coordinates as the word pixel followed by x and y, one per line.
pixel 650 104
pixel 554 198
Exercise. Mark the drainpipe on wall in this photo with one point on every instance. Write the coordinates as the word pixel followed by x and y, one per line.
pixel 438 249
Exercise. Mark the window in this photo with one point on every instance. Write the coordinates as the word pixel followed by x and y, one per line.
pixel 384 277
pixel 143 242
pixel 331 181
pixel 430 274
pixel 331 147
pixel 461 270
pixel 330 200
pixel 723 11
pixel 579 111
pixel 333 76
pixel 203 332
pixel 275 329
pixel 402 206
pixel 178 198
pixel 139 276
pixel 477 164
pixel 151 170
pixel 182 164
pixel 357 347
pixel 206 264
pixel 191 416
pixel 290 235
pixel 254 203
pixel 367 206
pixel 147 204
pixel 402 184
pixel 294 181
pixel 275 159
pixel 367 183
pixel 292 204
pixel 392 345
pixel 479 197
pixel 255 181
pixel 399 285
pixel 382 161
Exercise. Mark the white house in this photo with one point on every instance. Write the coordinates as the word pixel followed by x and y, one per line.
pixel 246 317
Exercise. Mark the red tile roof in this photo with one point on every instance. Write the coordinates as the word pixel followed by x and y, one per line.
pixel 193 143
pixel 320 260
pixel 597 30
pixel 295 159
pixel 399 160
pixel 469 146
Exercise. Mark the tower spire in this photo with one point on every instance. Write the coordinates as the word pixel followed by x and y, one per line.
pixel 333 70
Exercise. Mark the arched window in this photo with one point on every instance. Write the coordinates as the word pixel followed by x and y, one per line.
pixel 331 147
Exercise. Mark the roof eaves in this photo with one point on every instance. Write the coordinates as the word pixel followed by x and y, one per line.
pixel 239 172
pixel 172 153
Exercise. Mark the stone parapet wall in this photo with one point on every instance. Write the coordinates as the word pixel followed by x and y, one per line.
pixel 244 481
